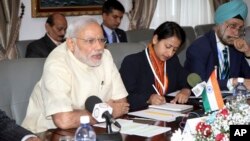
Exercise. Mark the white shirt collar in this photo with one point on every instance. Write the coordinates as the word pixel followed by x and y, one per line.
pixel 107 30
pixel 220 45
pixel 54 41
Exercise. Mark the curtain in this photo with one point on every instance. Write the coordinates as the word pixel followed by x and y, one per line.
pixel 125 20
pixel 183 12
pixel 202 11
pixel 217 3
pixel 141 15
pixel 9 28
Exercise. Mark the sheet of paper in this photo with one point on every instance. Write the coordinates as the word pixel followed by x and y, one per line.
pixel 151 130
pixel 173 94
pixel 157 114
pixel 172 107
pixel 224 94
pixel 131 128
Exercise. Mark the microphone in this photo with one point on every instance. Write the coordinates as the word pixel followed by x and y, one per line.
pixel 90 103
pixel 194 80
pixel 101 111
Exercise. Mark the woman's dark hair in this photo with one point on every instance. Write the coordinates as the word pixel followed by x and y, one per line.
pixel 170 29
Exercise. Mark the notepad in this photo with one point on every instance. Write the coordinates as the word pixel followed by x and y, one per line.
pixel 132 128
pixel 172 107
pixel 157 114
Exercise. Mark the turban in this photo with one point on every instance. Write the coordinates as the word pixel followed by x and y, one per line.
pixel 229 10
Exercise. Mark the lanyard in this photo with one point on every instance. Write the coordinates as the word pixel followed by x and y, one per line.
pixel 153 70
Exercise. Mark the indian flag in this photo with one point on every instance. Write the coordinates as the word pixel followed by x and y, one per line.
pixel 211 95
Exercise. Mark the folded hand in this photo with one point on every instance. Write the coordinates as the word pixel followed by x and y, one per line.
pixel 241 45
pixel 119 108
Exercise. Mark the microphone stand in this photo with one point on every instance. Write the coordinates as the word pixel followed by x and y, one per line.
pixel 108 126
pixel 110 135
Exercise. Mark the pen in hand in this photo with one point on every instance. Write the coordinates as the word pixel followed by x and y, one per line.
pixel 158 99
pixel 156 90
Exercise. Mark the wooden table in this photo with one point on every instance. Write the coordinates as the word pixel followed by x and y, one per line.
pixel 55 134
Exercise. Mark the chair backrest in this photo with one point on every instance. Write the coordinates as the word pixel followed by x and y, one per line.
pixel 22 47
pixel 5 97
pixel 139 35
pixel 202 29
pixel 120 50
pixel 190 37
pixel 17 80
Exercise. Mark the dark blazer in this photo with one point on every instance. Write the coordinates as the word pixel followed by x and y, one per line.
pixel 138 78
pixel 202 57
pixel 9 130
pixel 120 33
pixel 40 48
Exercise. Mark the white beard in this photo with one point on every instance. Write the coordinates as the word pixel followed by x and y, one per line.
pixel 86 59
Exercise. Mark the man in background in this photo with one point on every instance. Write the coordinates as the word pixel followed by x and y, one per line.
pixel 55 26
pixel 112 13
pixel 10 131
pixel 216 48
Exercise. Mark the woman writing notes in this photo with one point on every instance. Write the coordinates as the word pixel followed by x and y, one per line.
pixel 156 71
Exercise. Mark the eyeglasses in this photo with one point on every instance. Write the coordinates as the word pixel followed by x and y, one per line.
pixel 241 30
pixel 92 41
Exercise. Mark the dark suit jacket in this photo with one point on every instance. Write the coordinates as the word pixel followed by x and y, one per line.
pixel 120 33
pixel 202 56
pixel 138 78
pixel 40 48
pixel 9 130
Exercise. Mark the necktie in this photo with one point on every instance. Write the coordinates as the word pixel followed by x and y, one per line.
pixel 114 40
pixel 225 71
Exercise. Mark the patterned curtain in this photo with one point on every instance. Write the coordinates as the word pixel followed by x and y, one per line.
pixel 142 13
pixel 9 27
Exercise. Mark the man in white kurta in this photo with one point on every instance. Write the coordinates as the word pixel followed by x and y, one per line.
pixel 65 85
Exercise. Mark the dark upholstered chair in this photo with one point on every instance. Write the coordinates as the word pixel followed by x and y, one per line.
pixel 22 47
pixel 190 37
pixel 17 79
pixel 139 35
pixel 202 29
pixel 121 50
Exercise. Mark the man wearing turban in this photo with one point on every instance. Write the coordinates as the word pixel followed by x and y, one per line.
pixel 216 48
